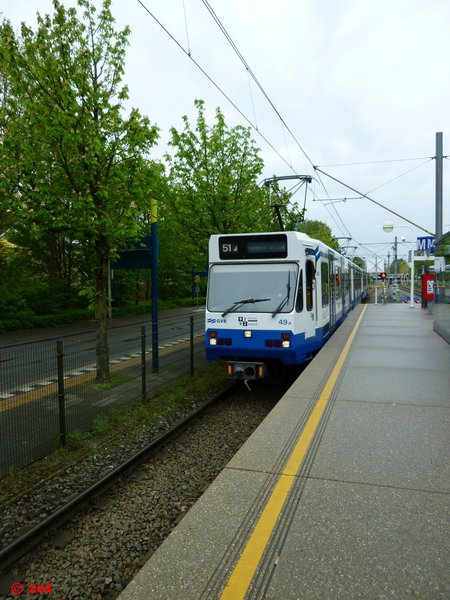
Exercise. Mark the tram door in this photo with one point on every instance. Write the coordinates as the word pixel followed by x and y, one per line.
pixel 310 324
pixel 332 292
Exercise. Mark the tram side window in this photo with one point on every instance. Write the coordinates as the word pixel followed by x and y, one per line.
pixel 299 302
pixel 355 284
pixel 339 281
pixel 325 284
pixel 310 272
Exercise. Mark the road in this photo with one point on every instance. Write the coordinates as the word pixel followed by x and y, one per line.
pixel 30 417
pixel 29 357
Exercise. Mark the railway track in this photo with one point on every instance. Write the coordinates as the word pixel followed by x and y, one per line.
pixel 27 540
pixel 91 545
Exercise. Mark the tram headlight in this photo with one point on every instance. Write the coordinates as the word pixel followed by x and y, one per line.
pixel 247 333
pixel 213 338
pixel 286 343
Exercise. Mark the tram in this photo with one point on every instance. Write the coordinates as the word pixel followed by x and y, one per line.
pixel 274 299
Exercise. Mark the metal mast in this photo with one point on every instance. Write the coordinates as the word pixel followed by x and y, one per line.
pixel 439 159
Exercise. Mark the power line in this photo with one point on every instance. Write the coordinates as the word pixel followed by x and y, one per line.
pixel 342 199
pixel 250 72
pixel 188 54
pixel 216 85
pixel 401 175
pixel 374 201
pixel 255 127
pixel 335 210
pixel 187 31
pixel 252 75
pixel 374 162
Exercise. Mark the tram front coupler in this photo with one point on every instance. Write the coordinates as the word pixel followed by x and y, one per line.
pixel 245 371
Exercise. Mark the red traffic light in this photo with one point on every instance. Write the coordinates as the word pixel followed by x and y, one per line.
pixel 383 275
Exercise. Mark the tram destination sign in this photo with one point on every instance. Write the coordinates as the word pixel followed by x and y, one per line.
pixel 232 247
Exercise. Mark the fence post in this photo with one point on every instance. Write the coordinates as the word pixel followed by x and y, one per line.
pixel 61 394
pixel 191 336
pixel 143 365
pixel 155 344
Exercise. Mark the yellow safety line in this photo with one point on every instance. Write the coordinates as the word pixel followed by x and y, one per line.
pixel 245 568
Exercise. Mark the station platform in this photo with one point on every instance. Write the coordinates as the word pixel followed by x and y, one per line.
pixel 343 492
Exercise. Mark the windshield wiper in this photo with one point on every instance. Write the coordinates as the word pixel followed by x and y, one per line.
pixel 285 299
pixel 239 303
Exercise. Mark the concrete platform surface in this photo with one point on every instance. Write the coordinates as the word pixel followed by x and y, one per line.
pixel 367 513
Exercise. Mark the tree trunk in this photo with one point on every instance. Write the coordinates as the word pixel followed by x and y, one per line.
pixel 53 257
pixel 101 311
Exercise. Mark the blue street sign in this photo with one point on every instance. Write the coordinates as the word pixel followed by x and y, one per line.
pixel 137 257
pixel 426 243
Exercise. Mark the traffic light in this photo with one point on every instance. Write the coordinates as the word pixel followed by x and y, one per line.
pixel 383 275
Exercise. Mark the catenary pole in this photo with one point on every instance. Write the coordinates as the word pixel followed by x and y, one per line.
pixel 439 158
pixel 155 249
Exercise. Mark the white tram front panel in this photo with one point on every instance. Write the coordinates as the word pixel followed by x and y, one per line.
pixel 271 297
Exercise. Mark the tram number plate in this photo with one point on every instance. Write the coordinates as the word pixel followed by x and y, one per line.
pixel 245 322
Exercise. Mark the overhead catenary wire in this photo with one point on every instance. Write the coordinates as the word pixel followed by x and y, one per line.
pixel 250 72
pixel 401 175
pixel 256 128
pixel 374 162
pixel 335 210
pixel 216 85
pixel 187 30
pixel 344 199
pixel 341 199
pixel 253 76
pixel 251 98
pixel 374 201
pixel 252 125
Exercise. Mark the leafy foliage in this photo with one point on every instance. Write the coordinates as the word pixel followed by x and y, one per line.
pixel 320 231
pixel 213 175
pixel 360 262
pixel 76 179
pixel 71 162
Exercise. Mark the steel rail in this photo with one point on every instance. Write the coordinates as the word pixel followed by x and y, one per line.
pixel 31 538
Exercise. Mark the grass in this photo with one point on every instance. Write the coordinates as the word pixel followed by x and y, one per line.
pixel 114 428
pixel 116 379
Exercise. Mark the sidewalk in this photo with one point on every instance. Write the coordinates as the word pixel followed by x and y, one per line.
pixel 367 513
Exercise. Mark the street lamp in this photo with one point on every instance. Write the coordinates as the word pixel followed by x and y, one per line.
pixel 388 227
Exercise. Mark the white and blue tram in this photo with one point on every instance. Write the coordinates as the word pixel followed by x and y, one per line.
pixel 274 299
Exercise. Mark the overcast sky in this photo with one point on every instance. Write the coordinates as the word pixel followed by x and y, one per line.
pixel 354 81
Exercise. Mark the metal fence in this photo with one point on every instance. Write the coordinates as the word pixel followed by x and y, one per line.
pixel 48 388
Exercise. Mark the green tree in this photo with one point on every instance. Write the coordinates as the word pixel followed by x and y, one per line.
pixel 213 174
pixel 319 231
pixel 402 266
pixel 71 161
pixel 360 262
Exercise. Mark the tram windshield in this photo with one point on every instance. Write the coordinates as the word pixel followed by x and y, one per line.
pixel 261 288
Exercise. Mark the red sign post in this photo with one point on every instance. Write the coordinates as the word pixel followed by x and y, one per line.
pixel 427 287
